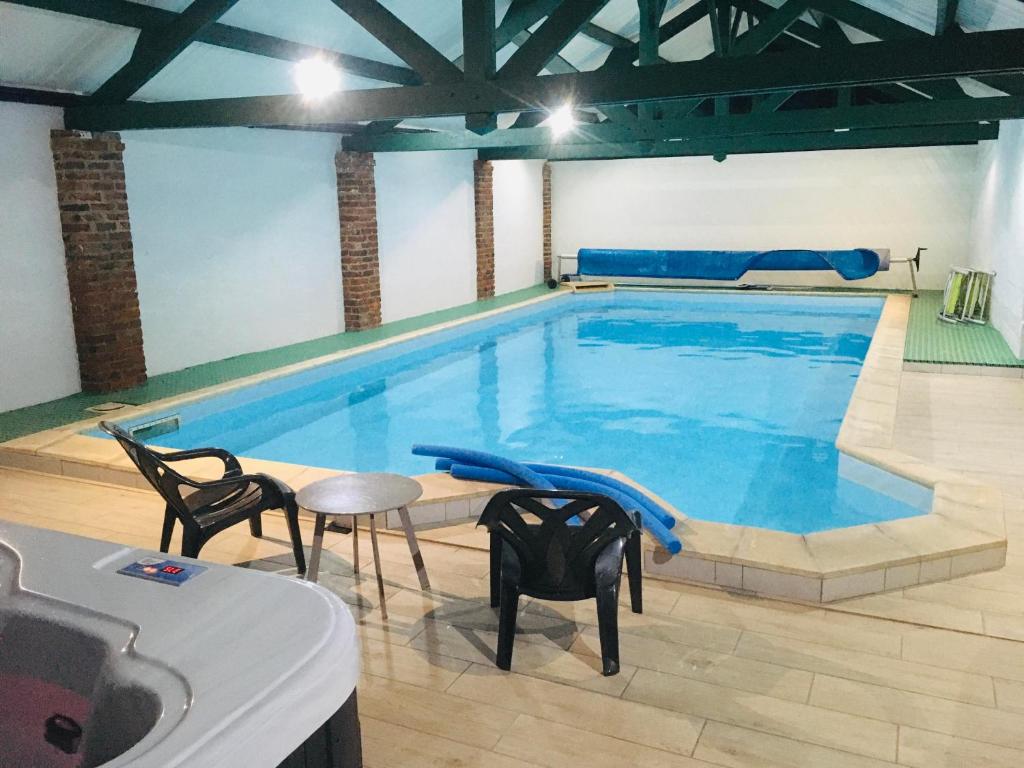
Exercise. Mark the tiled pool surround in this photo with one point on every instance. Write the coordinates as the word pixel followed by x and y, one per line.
pixel 964 533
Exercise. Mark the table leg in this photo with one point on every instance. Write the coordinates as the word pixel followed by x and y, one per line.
pixel 355 545
pixel 376 565
pixel 414 548
pixel 313 570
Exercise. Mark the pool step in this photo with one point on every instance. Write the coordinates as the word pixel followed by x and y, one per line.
pixel 591 286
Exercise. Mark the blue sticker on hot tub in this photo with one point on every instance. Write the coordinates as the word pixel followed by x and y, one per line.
pixel 171 572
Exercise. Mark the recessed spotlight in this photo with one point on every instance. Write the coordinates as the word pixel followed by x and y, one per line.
pixel 561 121
pixel 317 78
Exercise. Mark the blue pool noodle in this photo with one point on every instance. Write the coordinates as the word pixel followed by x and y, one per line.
pixel 663 517
pixel 519 471
pixel 489 475
pixel 483 474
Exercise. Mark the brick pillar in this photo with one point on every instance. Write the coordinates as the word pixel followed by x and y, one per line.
pixel 100 262
pixel 360 265
pixel 546 197
pixel 483 203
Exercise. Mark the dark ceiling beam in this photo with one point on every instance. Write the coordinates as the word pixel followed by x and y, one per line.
pixel 887 28
pixel 799 29
pixel 533 119
pixel 945 15
pixel 400 39
pixel 650 24
pixel 605 36
pixel 740 145
pixel 718 14
pixel 146 17
pixel 833 36
pixel 559 66
pixel 155 49
pixel 771 25
pixel 980 53
pixel 770 29
pixel 960 111
pixel 36 96
pixel 478 54
pixel 1012 85
pixel 521 15
pixel 550 38
pixel 624 56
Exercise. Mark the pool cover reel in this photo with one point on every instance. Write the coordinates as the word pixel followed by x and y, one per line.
pixel 486 467
pixel 851 264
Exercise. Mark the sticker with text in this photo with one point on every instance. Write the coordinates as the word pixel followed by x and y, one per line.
pixel 164 571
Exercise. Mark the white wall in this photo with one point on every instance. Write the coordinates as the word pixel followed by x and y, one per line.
pixel 37 341
pixel 236 241
pixel 997 236
pixel 518 224
pixel 425 232
pixel 885 198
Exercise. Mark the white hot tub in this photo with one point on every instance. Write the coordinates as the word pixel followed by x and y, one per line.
pixel 230 667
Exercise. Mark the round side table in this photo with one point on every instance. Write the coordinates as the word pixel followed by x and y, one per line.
pixel 355 495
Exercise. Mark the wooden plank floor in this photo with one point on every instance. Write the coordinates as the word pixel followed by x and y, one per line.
pixel 931 677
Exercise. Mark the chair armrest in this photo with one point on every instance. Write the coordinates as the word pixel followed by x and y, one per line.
pixel 266 483
pixel 231 466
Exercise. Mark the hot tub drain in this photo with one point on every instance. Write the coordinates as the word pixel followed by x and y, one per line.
pixel 63 733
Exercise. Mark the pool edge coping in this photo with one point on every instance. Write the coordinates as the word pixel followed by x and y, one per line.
pixel 816 567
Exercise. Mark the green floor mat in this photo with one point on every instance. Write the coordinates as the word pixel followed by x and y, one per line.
pixel 930 340
pixel 56 413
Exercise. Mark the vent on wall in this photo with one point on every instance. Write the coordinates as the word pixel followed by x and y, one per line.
pixel 156 428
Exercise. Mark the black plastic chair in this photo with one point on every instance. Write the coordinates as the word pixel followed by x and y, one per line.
pixel 205 508
pixel 553 560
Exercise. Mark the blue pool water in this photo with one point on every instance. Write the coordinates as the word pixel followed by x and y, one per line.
pixel 726 406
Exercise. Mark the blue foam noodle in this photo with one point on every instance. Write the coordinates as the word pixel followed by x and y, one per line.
pixel 667 519
pixel 482 459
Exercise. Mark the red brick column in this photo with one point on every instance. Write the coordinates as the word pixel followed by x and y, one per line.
pixel 360 265
pixel 546 197
pixel 483 202
pixel 100 261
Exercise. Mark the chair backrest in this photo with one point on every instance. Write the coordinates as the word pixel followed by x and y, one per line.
pixel 556 556
pixel 164 480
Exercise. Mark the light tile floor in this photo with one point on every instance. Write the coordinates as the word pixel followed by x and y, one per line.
pixel 931 676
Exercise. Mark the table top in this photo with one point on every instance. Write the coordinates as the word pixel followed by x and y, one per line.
pixel 363 493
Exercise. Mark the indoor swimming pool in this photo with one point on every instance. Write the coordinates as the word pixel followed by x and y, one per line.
pixel 726 406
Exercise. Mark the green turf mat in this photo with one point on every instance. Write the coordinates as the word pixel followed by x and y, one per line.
pixel 930 340
pixel 55 413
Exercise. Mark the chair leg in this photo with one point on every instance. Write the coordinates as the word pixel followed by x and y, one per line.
pixel 168 530
pixel 414 548
pixel 608 628
pixel 191 542
pixel 376 566
pixel 634 564
pixel 355 546
pixel 256 526
pixel 291 514
pixel 495 569
pixel 507 625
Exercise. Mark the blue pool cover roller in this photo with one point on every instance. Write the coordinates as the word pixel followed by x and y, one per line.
pixel 485 467
pixel 852 264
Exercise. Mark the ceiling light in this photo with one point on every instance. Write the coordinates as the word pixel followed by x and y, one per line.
pixel 561 121
pixel 317 78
